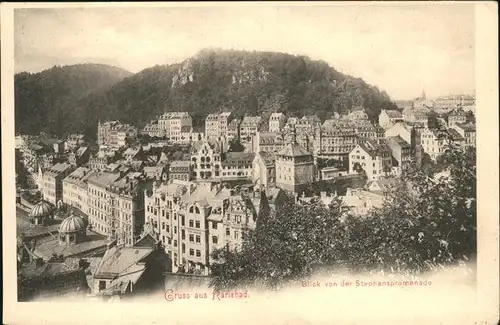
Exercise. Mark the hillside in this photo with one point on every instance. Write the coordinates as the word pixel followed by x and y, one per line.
pixel 47 101
pixel 247 82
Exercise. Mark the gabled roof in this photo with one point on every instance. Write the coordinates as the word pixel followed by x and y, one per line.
pixel 118 259
pixel 293 150
pixel 373 148
pixel 397 140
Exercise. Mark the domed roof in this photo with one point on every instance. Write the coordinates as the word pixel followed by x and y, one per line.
pixel 41 209
pixel 72 224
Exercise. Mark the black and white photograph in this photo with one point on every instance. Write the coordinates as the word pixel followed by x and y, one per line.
pixel 300 158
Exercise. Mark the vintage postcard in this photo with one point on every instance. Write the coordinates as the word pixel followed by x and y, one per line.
pixel 250 163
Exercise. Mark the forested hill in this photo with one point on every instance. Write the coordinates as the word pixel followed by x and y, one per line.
pixel 246 82
pixel 47 101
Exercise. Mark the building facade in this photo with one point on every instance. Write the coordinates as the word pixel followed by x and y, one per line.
pixel 277 122
pixel 375 159
pixel 52 182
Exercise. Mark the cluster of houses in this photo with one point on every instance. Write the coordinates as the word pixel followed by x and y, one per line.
pixel 108 213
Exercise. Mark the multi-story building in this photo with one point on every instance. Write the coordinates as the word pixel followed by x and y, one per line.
pixel 468 131
pixel 180 170
pixel 75 188
pixel 454 101
pixel 456 138
pixel 268 142
pixel 233 129
pixel 249 126
pixel 102 159
pixel 294 167
pixel 216 125
pixel 264 169
pixel 116 205
pixel 307 124
pixel 401 152
pixel 186 137
pixel 388 118
pixel 236 166
pixel 74 141
pixel 434 142
pixel 153 129
pixel 126 214
pixel 374 158
pixel 457 116
pixel 114 135
pixel 205 160
pixel 277 122
pixel 335 139
pixel 98 204
pixel 52 182
pixel 173 122
pixel 193 219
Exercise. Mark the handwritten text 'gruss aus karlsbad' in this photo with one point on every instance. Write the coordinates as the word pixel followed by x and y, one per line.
pixel 171 295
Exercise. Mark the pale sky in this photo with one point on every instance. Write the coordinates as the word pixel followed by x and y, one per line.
pixel 401 49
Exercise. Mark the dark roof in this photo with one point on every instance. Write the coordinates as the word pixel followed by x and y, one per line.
pixel 374 149
pixel 392 113
pixel 467 127
pixel 397 140
pixel 293 150
pixel 454 135
pixel 237 158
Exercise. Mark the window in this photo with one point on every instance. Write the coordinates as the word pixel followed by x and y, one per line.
pixel 198 225
pixel 175 229
pixel 167 228
pixel 198 253
pixel 191 238
pixel 235 235
pixel 183 248
pixel 191 223
pixel 183 234
pixel 214 239
pixel 228 232
pixel 163 225
pixel 214 225
pixel 102 285
pixel 238 219
pixel 198 239
pixel 191 252
pixel 183 220
pixel 175 243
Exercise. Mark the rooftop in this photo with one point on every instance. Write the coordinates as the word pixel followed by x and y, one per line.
pixel 48 247
pixel 293 150
pixel 103 179
pixel 120 259
pixel 58 169
pixel 397 140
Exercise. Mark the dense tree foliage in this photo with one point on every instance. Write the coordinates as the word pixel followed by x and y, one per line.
pixel 246 82
pixel 48 101
pixel 429 221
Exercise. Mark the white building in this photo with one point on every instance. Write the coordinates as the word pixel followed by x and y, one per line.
pixel 375 159
pixel 388 118
pixel 277 122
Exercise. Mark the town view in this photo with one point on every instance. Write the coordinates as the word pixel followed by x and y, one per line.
pixel 234 169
